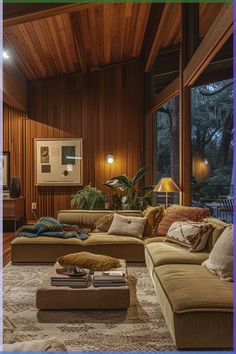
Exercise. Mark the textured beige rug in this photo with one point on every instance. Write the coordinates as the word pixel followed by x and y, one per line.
pixel 141 328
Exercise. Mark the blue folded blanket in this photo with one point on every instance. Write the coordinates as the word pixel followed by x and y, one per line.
pixel 50 227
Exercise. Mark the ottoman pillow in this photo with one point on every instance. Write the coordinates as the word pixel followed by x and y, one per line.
pixel 89 260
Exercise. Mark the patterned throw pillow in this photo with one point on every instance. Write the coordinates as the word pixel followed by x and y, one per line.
pixel 103 223
pixel 193 235
pixel 127 226
pixel 154 216
pixel 180 213
pixel 221 259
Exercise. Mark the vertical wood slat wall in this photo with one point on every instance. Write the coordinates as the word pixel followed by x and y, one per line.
pixel 105 108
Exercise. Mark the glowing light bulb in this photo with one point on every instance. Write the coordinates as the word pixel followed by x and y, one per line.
pixel 110 159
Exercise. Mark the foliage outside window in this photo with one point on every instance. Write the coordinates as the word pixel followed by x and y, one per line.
pixel 212 140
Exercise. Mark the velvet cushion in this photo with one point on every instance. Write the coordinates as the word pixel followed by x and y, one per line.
pixel 180 213
pixel 220 259
pixel 103 223
pixel 190 234
pixel 127 226
pixel 154 216
pixel 89 260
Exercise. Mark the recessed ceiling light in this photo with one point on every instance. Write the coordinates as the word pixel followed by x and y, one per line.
pixel 5 55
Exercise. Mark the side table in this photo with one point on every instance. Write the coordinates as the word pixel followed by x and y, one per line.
pixel 14 209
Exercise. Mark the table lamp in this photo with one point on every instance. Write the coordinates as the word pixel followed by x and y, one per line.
pixel 166 185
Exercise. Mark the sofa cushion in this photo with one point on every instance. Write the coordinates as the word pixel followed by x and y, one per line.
pixel 89 261
pixel 154 216
pixel 104 238
pixel 124 247
pixel 178 213
pixel 89 217
pixel 221 261
pixel 190 234
pixel 127 225
pixel 192 288
pixel 162 253
pixel 47 241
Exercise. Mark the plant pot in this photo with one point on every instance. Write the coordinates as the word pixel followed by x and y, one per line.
pixel 15 187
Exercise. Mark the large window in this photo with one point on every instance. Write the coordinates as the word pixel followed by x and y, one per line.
pixel 167 143
pixel 212 142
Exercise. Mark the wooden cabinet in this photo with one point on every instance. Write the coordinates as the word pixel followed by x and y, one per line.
pixel 14 209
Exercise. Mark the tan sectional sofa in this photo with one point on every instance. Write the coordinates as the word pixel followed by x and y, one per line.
pixel 196 304
pixel 48 249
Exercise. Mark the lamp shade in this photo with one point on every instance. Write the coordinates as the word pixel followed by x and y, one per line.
pixel 167 185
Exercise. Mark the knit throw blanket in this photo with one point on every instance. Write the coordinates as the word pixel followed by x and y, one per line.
pixel 50 227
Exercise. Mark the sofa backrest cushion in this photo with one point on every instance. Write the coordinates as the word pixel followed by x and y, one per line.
pixel 180 213
pixel 218 228
pixel 88 218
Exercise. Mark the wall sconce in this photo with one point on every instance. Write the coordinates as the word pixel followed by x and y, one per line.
pixel 110 159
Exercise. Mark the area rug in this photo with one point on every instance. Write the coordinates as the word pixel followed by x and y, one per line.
pixel 141 328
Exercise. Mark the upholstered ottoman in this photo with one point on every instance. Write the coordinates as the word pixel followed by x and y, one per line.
pixel 94 298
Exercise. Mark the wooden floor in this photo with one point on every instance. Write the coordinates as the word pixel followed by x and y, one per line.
pixel 7 238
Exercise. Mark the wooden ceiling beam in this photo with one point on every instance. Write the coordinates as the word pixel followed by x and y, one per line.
pixel 77 40
pixel 220 31
pixel 218 34
pixel 46 12
pixel 157 38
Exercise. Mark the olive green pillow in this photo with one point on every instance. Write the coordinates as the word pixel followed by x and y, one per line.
pixel 89 260
pixel 154 216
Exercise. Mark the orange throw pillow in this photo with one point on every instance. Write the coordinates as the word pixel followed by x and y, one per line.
pixel 180 213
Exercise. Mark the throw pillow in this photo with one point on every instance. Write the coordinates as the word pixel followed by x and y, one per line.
pixel 127 225
pixel 219 227
pixel 89 260
pixel 180 213
pixel 154 216
pixel 193 235
pixel 220 259
pixel 103 223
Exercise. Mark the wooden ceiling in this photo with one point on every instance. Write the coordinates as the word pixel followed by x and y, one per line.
pixel 53 39
pixel 92 35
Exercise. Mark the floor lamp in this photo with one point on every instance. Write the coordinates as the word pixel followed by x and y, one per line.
pixel 166 185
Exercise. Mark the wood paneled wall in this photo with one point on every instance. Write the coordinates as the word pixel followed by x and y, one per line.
pixel 14 124
pixel 105 108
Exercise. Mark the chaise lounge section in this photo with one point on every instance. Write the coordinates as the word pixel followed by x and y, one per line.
pixel 196 304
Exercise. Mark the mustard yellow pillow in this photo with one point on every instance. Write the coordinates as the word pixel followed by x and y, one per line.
pixel 103 223
pixel 154 216
pixel 89 260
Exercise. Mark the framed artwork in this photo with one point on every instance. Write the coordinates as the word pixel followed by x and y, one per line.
pixel 58 162
pixel 6 169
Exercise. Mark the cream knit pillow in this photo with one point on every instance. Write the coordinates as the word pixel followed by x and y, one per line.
pixel 220 259
pixel 127 226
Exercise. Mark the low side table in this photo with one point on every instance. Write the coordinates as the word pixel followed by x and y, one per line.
pixel 90 298
pixel 14 210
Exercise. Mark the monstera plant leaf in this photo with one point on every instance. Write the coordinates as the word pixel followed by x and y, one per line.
pixel 139 175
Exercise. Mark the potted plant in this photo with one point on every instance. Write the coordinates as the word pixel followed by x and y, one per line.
pixel 88 198
pixel 127 190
